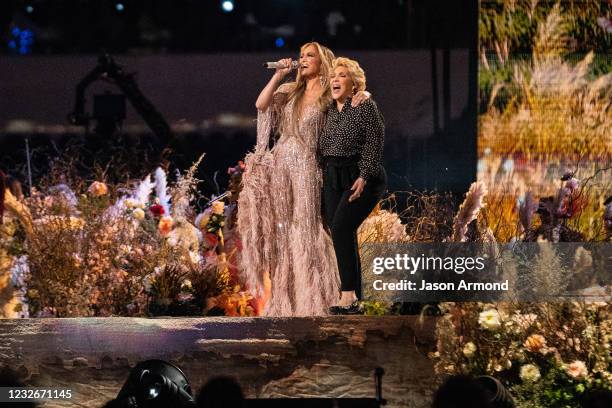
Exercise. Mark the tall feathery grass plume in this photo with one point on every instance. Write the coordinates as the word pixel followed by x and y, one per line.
pixel 551 40
pixel 527 209
pixel 548 278
pixel 138 198
pixel 552 108
pixel 143 191
pixel 509 270
pixel 468 211
pixel 382 226
pixel 184 189
pixel 161 190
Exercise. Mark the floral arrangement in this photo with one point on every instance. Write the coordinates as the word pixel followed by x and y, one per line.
pixel 547 354
pixel 112 250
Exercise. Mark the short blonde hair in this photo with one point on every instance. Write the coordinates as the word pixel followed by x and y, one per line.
pixel 355 71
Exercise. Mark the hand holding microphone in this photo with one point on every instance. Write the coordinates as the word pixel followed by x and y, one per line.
pixel 283 66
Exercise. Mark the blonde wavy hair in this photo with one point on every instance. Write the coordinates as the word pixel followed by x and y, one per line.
pixel 299 86
pixel 355 71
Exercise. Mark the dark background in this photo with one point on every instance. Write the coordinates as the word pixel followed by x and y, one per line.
pixel 201 68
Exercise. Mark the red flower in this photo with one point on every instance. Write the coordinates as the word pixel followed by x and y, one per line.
pixel 211 240
pixel 157 210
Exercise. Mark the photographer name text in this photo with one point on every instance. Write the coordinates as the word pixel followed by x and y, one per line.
pixel 406 285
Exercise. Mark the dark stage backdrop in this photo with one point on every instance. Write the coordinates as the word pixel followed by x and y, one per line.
pixel 430 129
pixel 427 93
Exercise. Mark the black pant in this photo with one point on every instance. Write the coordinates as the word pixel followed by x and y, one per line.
pixel 343 218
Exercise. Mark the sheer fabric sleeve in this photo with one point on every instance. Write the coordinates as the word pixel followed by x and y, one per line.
pixel 269 119
pixel 254 223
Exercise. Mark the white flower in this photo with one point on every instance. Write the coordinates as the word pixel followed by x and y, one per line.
pixel 186 284
pixel 469 349
pixel 19 272
pixel 530 372
pixel 147 282
pixel 194 257
pixel 582 259
pixel 489 319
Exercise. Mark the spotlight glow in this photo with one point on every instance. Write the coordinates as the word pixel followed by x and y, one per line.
pixel 119 6
pixel 227 6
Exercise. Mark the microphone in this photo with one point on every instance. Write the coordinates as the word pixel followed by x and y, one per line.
pixel 274 65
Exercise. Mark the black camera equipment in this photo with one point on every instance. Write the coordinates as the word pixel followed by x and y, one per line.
pixel 155 384
pixel 109 109
pixel 109 112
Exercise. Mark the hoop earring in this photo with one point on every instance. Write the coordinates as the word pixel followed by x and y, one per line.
pixel 322 81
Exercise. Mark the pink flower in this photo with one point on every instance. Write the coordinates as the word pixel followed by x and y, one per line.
pixel 577 370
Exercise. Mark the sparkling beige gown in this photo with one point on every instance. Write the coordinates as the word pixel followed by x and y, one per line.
pixel 279 216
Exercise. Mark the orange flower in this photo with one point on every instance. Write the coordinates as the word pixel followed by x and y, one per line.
pixel 218 207
pixel 165 225
pixel 97 189
pixel 535 343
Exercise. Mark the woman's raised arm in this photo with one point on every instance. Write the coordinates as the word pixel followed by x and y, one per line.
pixel 264 100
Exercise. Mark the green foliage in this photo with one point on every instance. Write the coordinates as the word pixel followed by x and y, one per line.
pixel 504 23
pixel 15 244
pixel 546 354
pixel 507 27
pixel 375 308
pixel 555 389
pixel 488 79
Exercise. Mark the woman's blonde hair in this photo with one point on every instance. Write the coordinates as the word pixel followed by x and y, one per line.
pixel 355 71
pixel 299 86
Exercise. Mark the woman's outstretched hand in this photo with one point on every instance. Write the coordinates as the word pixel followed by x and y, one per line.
pixel 360 97
pixel 357 189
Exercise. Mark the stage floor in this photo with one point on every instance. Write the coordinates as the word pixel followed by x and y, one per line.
pixel 270 357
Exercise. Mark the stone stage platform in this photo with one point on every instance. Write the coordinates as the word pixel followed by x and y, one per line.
pixel 270 357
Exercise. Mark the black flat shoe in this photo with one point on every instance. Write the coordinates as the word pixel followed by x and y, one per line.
pixel 352 309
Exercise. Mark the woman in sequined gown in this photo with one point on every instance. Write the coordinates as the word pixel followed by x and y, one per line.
pixel 279 208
